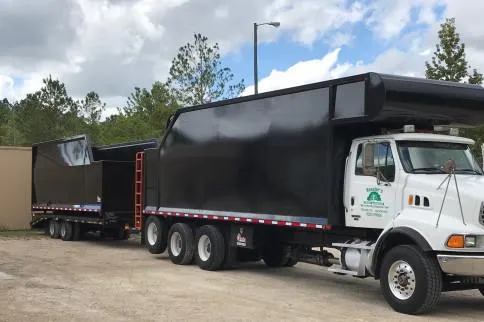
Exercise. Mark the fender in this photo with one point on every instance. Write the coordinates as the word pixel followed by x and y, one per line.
pixel 396 236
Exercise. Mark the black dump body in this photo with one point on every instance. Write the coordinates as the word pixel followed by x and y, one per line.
pixel 70 174
pixel 283 152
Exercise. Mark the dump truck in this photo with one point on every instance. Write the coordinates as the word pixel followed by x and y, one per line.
pixel 365 175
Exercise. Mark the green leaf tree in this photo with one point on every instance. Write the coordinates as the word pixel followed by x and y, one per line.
pixel 5 121
pixel 48 114
pixel 144 116
pixel 197 75
pixel 449 61
pixel 91 109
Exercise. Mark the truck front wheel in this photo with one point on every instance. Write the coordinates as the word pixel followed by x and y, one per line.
pixel 155 234
pixel 411 281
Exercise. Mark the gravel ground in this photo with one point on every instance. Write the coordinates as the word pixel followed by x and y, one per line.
pixel 51 280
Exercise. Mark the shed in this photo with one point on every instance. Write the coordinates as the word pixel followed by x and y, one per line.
pixel 15 187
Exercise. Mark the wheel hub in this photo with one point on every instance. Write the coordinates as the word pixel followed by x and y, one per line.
pixel 401 279
pixel 204 248
pixel 176 243
pixel 152 233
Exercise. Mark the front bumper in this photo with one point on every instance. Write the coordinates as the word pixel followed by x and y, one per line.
pixel 463 265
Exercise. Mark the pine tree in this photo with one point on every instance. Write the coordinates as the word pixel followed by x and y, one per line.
pixel 449 61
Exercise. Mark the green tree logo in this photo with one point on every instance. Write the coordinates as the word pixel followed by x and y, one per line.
pixel 374 196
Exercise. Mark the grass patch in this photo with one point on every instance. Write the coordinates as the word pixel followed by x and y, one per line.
pixel 21 233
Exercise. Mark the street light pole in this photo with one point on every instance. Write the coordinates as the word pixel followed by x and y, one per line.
pixel 256 78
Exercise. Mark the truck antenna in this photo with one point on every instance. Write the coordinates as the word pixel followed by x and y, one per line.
pixel 449 167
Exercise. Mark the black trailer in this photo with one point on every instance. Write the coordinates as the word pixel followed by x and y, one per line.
pixel 265 177
pixel 278 158
pixel 77 187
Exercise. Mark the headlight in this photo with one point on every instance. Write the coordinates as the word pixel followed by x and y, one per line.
pixel 461 241
pixel 470 241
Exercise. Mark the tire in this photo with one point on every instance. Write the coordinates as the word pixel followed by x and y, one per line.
pixel 423 280
pixel 66 230
pixel 276 255
pixel 53 229
pixel 181 244
pixel 481 289
pixel 210 248
pixel 76 231
pixel 155 234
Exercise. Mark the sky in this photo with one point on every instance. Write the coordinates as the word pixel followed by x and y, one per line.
pixel 112 46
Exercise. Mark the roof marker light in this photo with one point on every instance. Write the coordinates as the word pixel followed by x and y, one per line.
pixel 454 131
pixel 409 128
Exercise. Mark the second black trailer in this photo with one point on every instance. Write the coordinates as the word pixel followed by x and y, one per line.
pixel 77 187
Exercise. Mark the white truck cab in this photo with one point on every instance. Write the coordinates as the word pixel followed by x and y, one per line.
pixel 424 187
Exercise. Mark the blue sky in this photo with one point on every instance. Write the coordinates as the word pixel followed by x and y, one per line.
pixel 364 47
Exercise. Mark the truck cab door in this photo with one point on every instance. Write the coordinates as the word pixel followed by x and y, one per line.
pixel 370 197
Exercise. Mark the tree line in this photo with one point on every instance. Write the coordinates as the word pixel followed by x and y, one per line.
pixel 196 76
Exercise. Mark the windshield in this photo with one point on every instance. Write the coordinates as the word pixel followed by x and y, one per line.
pixel 429 157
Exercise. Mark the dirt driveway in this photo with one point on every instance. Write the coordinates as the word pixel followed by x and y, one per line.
pixel 50 280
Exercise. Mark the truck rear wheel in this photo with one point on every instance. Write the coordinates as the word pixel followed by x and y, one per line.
pixel 66 230
pixel 53 228
pixel 210 248
pixel 155 234
pixel 411 281
pixel 181 244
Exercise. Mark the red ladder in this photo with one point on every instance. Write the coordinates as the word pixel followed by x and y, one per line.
pixel 138 191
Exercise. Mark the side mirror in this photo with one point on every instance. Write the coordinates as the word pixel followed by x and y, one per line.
pixel 369 159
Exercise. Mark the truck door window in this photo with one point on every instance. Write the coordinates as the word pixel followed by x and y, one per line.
pixel 382 156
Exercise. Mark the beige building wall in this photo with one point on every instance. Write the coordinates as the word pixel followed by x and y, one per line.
pixel 15 187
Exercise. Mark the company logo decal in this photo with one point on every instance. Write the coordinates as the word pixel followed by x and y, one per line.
pixel 374 204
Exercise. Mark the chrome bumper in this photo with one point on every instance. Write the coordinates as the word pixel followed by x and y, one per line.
pixel 464 265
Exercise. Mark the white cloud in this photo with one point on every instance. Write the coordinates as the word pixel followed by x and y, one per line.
pixel 388 19
pixel 111 46
pixel 312 19
pixel 340 39
pixel 301 73
pixel 6 86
